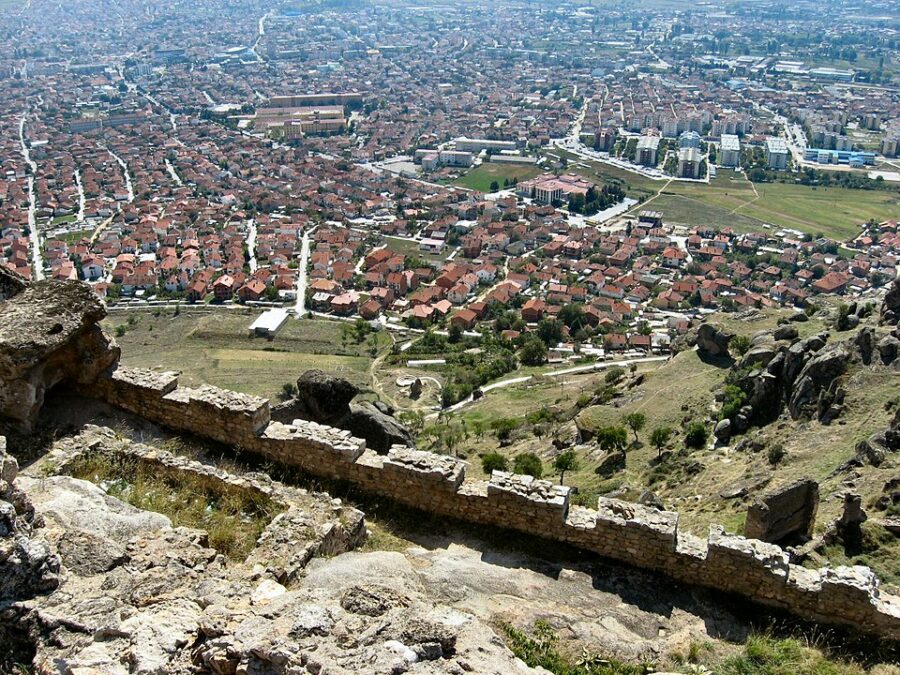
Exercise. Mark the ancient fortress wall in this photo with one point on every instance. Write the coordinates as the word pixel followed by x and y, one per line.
pixel 618 530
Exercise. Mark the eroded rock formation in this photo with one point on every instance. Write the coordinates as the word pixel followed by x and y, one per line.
pixel 142 596
pixel 326 399
pixel 49 333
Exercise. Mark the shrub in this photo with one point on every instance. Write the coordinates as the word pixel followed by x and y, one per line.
pixel 504 427
pixel 776 453
pixel 494 461
pixel 614 375
pixel 583 401
pixel 528 464
pixel 733 402
pixel 696 434
pixel 740 344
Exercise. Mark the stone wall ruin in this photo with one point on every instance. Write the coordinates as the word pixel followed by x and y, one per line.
pixel 618 530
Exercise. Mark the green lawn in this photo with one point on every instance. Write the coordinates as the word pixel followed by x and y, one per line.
pixel 480 178
pixel 730 201
pixel 214 349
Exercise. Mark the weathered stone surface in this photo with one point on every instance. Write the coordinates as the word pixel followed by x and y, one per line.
pixel 818 375
pixel 11 283
pixel 49 333
pixel 326 399
pixel 28 565
pixel 890 308
pixel 786 332
pixel 787 513
pixel 712 341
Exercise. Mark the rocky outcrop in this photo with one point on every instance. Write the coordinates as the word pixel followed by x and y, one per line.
pixel 784 515
pixel 326 399
pixel 890 308
pixel 816 382
pixel 712 341
pixel 141 596
pixel 28 566
pixel 10 283
pixel 49 333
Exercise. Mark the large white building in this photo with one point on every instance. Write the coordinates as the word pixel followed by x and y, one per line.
pixel 776 153
pixel 647 147
pixel 729 150
pixel 689 163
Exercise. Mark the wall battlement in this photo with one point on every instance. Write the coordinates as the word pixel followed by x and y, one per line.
pixel 618 530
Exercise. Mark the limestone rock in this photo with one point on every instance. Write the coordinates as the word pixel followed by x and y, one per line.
pixel 784 514
pixel 326 399
pixel 49 333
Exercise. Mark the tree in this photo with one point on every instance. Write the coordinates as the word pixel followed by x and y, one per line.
pixel 695 435
pixel 566 461
pixel 533 351
pixel 455 333
pixel 494 461
pixel 504 427
pixel 550 331
pixel 494 186
pixel 528 464
pixel 635 422
pixel 659 437
pixel 612 439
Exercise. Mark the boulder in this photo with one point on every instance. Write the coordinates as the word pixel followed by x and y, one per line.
pixel 323 396
pixel 888 348
pixel 49 333
pixel 326 399
pixel 786 514
pixel 817 376
pixel 379 430
pixel 722 431
pixel 712 341
pixel 786 332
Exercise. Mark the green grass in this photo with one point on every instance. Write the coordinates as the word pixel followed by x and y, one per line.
pixel 730 201
pixel 766 655
pixel 541 650
pixel 234 519
pixel 480 178
pixel 214 349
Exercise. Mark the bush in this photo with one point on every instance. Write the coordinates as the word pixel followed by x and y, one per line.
pixel 504 427
pixel 776 453
pixel 494 461
pixel 583 401
pixel 695 435
pixel 733 402
pixel 740 344
pixel 528 464
pixel 614 375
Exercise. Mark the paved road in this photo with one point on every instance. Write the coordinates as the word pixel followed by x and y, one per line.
pixel 300 307
pixel 34 236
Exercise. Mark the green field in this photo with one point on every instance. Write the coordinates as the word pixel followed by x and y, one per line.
pixel 729 200
pixel 480 178
pixel 214 349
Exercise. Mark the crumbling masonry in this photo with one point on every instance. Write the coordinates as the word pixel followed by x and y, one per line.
pixel 437 484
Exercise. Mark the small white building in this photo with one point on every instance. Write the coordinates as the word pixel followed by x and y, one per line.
pixel 269 323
